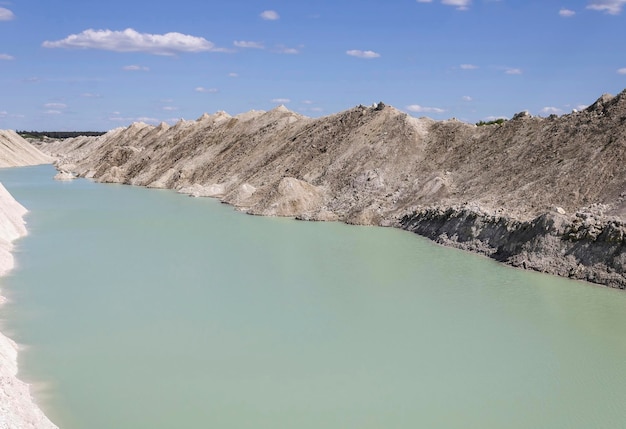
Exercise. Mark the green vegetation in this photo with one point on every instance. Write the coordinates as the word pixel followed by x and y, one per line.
pixel 57 134
pixel 498 121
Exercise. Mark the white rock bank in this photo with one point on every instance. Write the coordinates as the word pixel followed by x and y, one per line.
pixel 17 408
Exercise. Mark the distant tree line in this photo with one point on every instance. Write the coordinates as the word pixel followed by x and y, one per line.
pixel 58 134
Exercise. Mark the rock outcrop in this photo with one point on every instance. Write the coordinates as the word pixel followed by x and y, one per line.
pixel 542 193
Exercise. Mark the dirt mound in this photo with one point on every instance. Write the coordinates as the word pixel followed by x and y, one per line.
pixel 377 165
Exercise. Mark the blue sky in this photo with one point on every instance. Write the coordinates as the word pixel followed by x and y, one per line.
pixel 84 65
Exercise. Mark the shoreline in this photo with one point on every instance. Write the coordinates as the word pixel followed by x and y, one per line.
pixel 17 407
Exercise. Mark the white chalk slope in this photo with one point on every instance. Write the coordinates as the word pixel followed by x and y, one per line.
pixel 17 409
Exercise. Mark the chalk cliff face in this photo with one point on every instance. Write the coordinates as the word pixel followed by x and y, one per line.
pixel 17 409
pixel 540 193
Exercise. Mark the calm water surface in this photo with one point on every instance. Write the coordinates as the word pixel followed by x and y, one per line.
pixel 148 309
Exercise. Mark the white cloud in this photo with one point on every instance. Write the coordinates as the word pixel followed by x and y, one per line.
pixel 6 57
pixel 206 90
pixel 136 68
pixel 513 71
pixel 316 109
pixel 363 54
pixel 145 119
pixel 551 110
pixel 613 7
pixel 582 106
pixel 281 100
pixel 170 108
pixel 90 95
pixel 53 112
pixel 233 74
pixel 468 67
pixel 248 44
pixel 622 70
pixel 130 40
pixel 6 14
pixel 460 4
pixel 270 15
pixel 55 106
pixel 466 98
pixel 566 13
pixel 285 50
pixel 307 102
pixel 422 109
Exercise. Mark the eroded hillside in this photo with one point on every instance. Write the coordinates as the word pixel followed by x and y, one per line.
pixel 541 193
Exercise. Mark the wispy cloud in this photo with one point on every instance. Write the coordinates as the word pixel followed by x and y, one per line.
pixel 55 106
pixel 6 14
pixel 130 40
pixel 248 44
pixel 513 71
pixel 281 100
pixel 115 117
pixel 6 57
pixel 613 7
pixel 622 70
pixel 270 15
pixel 281 49
pixel 468 67
pixel 363 54
pixel 423 109
pixel 566 13
pixel 169 108
pixel 466 98
pixel 550 110
pixel 90 95
pixel 136 68
pixel 206 90
pixel 233 74
pixel 459 4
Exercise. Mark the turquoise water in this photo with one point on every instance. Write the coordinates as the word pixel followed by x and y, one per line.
pixel 148 309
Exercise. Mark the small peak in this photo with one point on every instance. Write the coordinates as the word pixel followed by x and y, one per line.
pixel 204 117
pixel 521 115
pixel 137 126
pixel 162 126
pixel 600 103
pixel 221 114
pixel 282 109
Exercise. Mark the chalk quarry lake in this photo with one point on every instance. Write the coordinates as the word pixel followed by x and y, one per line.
pixel 144 308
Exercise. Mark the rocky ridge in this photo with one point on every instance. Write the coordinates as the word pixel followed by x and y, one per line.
pixel 539 193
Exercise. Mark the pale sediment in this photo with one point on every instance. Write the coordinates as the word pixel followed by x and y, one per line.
pixel 17 408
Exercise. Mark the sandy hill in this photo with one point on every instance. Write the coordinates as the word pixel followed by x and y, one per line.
pixel 15 151
pixel 540 193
